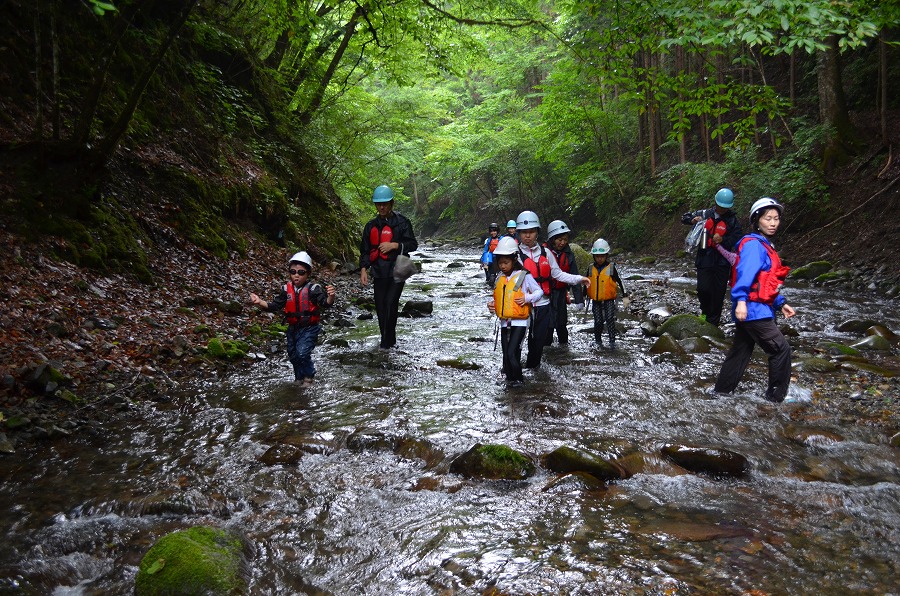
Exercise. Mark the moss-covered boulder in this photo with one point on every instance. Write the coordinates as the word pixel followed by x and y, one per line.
pixel 833 276
pixel 569 459
pixel 226 348
pixel 583 258
pixel 685 325
pixel 493 462
pixel 707 460
pixel 811 270
pixel 199 560
pixel 817 365
pixel 883 332
pixel 838 349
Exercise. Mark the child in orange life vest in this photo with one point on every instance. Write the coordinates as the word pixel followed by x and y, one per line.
pixel 300 301
pixel 602 291
pixel 515 291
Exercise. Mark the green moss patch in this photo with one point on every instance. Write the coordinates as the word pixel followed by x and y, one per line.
pixel 199 560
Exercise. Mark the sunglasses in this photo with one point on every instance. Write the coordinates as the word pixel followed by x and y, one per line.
pixel 299 271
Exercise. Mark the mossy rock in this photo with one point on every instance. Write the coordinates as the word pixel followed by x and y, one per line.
pixel 817 365
pixel 199 560
pixel 811 270
pixel 833 347
pixel 883 332
pixel 647 260
pixel 226 348
pixel 838 275
pixel 493 462
pixel 458 364
pixel 873 342
pixel 856 325
pixel 685 325
pixel 569 459
pixel 583 258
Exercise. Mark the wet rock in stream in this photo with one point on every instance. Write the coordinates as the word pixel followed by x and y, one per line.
pixel 569 459
pixel 493 462
pixel 707 460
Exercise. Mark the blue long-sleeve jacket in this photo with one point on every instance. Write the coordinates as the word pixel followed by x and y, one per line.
pixel 753 258
pixel 487 257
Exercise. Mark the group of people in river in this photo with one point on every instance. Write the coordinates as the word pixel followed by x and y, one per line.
pixel 531 285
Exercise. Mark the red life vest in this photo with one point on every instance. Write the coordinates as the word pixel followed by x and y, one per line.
pixel 562 259
pixel 712 229
pixel 767 285
pixel 493 244
pixel 540 271
pixel 299 309
pixel 376 237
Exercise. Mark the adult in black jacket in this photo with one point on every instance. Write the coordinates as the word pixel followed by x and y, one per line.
pixel 384 238
pixel 713 270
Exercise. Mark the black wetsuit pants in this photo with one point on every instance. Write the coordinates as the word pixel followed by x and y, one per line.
pixel 511 339
pixel 387 303
pixel 537 335
pixel 766 334
pixel 711 285
pixel 559 316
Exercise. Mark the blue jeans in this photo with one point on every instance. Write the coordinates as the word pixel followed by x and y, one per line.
pixel 300 343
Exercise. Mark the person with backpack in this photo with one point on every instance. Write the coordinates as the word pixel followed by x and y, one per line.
pixel 300 300
pixel 713 270
pixel 604 279
pixel 515 291
pixel 756 282
pixel 542 265
pixel 384 238
pixel 487 254
pixel 558 244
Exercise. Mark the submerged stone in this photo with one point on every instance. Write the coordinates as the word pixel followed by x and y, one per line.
pixel 575 482
pixel 666 344
pixel 281 454
pixel 685 325
pixel 199 560
pixel 707 460
pixel 833 347
pixel 493 462
pixel 457 363
pixel 418 308
pixel 856 325
pixel 817 365
pixel 873 342
pixel 569 459
pixel 883 332
pixel 695 345
pixel 870 368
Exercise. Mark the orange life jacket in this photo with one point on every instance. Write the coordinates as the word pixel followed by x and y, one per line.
pixel 299 309
pixel 493 244
pixel 540 271
pixel 376 237
pixel 603 286
pixel 506 290
pixel 767 285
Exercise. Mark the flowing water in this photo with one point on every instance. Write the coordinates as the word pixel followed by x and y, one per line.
pixel 370 507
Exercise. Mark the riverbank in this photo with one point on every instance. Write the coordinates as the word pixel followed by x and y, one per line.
pixel 77 346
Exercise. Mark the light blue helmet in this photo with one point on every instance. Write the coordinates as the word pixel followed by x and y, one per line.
pixel 725 198
pixel 511 223
pixel 383 194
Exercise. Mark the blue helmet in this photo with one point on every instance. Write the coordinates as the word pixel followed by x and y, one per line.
pixel 383 194
pixel 725 198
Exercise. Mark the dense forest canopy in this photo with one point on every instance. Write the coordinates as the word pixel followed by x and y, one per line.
pixel 596 111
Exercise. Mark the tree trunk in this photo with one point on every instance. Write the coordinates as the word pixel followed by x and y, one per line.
pixel 38 68
pixel 833 105
pixel 883 83
pixel 316 101
pixel 111 140
pixel 57 119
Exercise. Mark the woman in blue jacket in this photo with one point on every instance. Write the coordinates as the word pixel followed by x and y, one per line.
pixel 756 282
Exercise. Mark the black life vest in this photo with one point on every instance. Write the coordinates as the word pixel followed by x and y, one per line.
pixel 299 308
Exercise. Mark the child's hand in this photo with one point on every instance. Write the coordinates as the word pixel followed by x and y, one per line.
pixel 491 308
pixel 520 300
pixel 586 282
pixel 626 301
pixel 330 291
pixel 254 299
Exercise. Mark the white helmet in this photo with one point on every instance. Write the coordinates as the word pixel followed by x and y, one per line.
pixel 302 257
pixel 528 220
pixel 506 246
pixel 600 247
pixel 557 227
pixel 764 203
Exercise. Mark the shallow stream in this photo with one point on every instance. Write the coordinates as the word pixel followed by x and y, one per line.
pixel 370 508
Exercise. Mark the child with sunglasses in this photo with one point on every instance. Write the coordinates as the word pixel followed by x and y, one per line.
pixel 300 300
